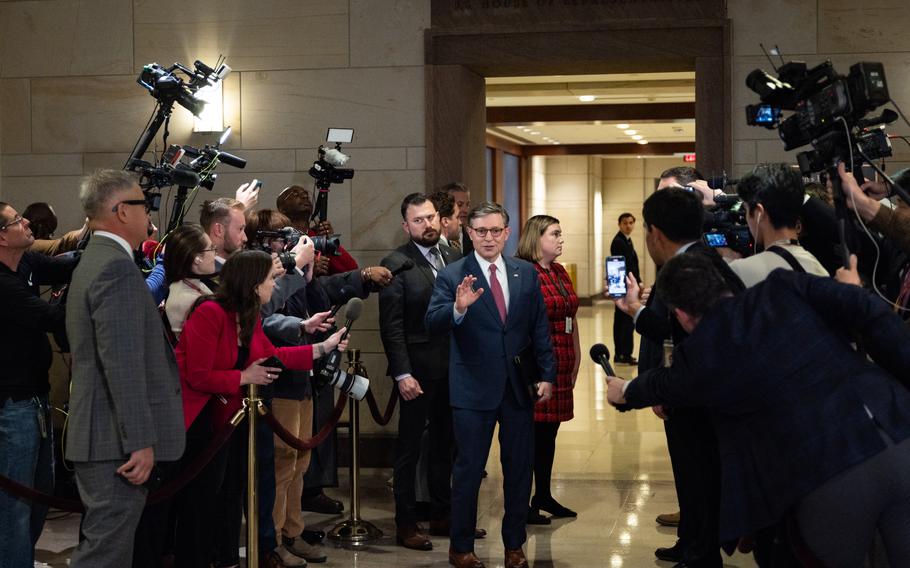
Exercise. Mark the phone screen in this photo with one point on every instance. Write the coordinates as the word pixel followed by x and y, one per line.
pixel 616 275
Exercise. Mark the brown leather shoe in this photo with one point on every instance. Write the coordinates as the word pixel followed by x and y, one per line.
pixel 409 536
pixel 465 560
pixel 668 519
pixel 516 559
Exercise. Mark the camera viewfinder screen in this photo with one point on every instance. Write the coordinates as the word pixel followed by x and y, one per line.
pixel 616 276
pixel 716 239
pixel 767 114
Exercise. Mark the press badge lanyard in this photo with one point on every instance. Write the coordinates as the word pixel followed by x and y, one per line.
pixel 557 281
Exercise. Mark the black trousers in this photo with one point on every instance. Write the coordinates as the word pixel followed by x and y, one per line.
pixel 432 406
pixel 195 504
pixel 623 330
pixel 695 458
pixel 544 452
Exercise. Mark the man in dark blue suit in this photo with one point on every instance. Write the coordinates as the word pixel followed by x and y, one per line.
pixel 805 427
pixel 489 327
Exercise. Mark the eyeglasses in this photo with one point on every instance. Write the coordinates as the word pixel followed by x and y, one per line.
pixel 142 202
pixel 16 220
pixel 482 232
pixel 210 249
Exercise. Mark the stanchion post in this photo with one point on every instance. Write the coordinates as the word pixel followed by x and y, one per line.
pixel 252 504
pixel 355 530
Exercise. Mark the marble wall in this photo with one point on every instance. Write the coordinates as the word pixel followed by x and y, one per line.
pixel 69 103
pixel 843 31
pixel 587 194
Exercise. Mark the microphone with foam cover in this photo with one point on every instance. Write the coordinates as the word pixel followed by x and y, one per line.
pixel 345 294
pixel 352 313
pixel 601 355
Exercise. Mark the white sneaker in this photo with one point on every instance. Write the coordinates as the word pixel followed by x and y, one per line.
pixel 288 557
pixel 312 552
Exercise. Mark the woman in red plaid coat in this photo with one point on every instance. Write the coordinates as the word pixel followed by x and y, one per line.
pixel 541 244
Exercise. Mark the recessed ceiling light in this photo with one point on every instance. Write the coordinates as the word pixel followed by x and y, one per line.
pixel 525 128
pixel 586 98
pixel 642 142
pixel 622 126
pixel 630 132
pixel 637 137
pixel 535 133
pixel 555 142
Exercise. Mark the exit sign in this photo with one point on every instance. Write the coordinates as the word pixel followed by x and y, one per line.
pixel 689 158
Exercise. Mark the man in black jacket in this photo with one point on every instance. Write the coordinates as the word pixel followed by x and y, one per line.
pixel 623 326
pixel 419 363
pixel 812 428
pixel 673 221
pixel 26 436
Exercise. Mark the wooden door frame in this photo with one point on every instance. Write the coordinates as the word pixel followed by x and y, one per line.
pixel 621 46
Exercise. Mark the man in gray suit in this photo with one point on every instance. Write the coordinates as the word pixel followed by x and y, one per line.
pixel 125 404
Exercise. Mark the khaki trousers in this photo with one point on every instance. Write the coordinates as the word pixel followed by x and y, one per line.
pixel 291 465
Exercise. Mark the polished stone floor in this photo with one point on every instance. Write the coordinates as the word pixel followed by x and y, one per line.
pixel 612 468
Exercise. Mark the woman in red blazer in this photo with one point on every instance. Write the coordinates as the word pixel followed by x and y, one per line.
pixel 218 331
pixel 220 350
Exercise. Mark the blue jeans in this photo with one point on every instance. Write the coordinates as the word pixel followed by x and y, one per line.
pixel 28 458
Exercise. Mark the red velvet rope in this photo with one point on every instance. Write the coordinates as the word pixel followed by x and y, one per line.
pixel 382 419
pixel 304 445
pixel 166 492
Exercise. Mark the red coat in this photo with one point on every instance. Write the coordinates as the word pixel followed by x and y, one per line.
pixel 561 302
pixel 207 354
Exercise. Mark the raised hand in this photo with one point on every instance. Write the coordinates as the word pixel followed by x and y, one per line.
pixel 466 295
pixel 248 194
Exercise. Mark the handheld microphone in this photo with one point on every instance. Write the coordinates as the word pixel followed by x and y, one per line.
pixel 405 266
pixel 352 313
pixel 601 355
pixel 333 359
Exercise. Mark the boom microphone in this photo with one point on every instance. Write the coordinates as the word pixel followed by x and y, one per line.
pixel 405 266
pixel 601 355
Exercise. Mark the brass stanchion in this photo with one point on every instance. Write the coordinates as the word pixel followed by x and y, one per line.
pixel 355 530
pixel 251 403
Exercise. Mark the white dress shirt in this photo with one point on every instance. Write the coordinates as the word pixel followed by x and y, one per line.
pixel 425 251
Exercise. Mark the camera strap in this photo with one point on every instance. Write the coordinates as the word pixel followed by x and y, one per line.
pixel 788 257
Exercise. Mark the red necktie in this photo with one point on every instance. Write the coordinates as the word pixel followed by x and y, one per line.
pixel 496 290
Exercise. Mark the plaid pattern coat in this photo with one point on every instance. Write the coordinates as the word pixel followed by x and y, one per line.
pixel 561 302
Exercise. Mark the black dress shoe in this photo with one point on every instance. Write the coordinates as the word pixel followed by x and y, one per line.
pixel 671 554
pixel 324 504
pixel 313 537
pixel 535 518
pixel 551 506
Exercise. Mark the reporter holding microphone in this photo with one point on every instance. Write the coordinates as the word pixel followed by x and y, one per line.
pixel 220 350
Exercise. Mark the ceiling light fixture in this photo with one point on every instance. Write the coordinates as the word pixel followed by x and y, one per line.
pixel 630 132
pixel 622 126
pixel 586 98
pixel 637 137
pixel 535 133
pixel 642 142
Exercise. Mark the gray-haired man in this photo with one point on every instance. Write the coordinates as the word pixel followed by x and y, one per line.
pixel 125 406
